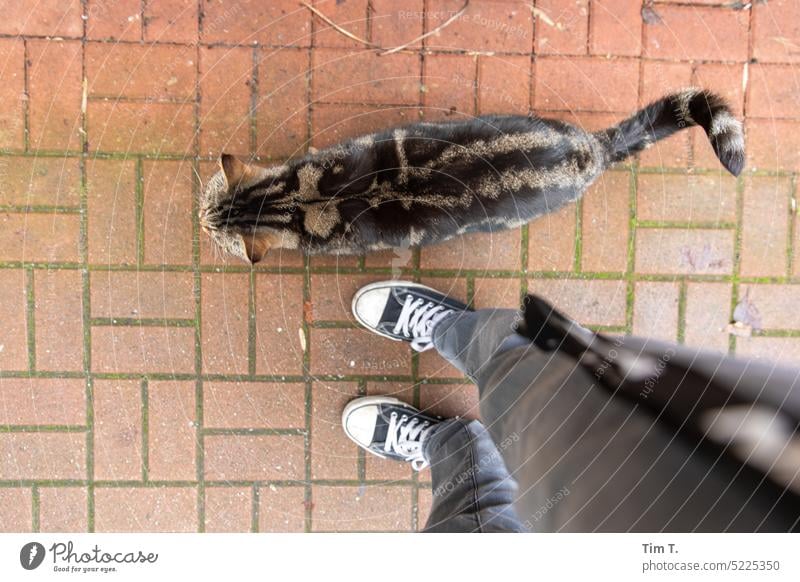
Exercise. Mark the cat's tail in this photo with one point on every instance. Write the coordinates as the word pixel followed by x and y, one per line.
pixel 674 112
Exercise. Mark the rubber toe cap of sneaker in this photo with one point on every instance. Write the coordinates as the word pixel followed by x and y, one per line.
pixel 369 306
pixel 360 424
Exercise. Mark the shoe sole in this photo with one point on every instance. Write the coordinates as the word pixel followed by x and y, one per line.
pixel 366 401
pixel 379 285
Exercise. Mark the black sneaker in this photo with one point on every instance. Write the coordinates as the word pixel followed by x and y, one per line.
pixel 389 428
pixel 403 311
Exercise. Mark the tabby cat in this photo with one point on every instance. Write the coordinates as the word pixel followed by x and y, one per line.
pixel 427 182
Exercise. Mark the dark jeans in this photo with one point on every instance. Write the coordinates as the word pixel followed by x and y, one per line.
pixel 584 461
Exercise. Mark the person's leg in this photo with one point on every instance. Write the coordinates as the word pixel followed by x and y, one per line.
pixel 472 491
pixel 585 461
pixel 468 340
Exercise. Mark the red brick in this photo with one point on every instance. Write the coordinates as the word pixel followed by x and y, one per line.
pixel 776 28
pixel 681 251
pixel 276 23
pixel 355 351
pixel 775 304
pixel 40 181
pixel 360 76
pixel 796 245
pixel 726 79
pixel 282 113
pixel 168 212
pixel 153 72
pixel 569 31
pixel 590 84
pixel 484 252
pixel 495 93
pixel 335 123
pixel 112 211
pixel 42 456
pixel 424 503
pixel 279 317
pixel 604 225
pixel 688 32
pixel 336 261
pixel 384 469
pixel 12 93
pixel 253 458
pixel 590 302
pixel 551 241
pixel 396 24
pixel 333 454
pixel 450 85
pixel 13 314
pixel 229 509
pixel 773 145
pixel 117 430
pixel 145 509
pixel 686 197
pixel 16 510
pixel 660 78
pixel 143 349
pixel 46 238
pixel 616 28
pixel 226 80
pixel 38 401
pixel 281 509
pixel 765 227
pixel 396 259
pixel 784 350
pixel 225 322
pixel 432 365
pixel 350 15
pixel 172 431
pixel 253 405
pixel 331 295
pixel 54 89
pixel 655 310
pixel 63 509
pixel 371 508
pixel 772 92
pixel 490 292
pixel 58 315
pixel 120 20
pixel 450 400
pixel 142 294
pixel 485 26
pixel 42 18
pixel 708 311
pixel 171 21
pixel 148 128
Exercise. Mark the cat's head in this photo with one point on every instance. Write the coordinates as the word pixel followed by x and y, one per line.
pixel 220 219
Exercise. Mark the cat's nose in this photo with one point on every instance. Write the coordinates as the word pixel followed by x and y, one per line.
pixel 204 223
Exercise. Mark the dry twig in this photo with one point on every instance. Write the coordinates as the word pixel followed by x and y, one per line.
pixel 396 49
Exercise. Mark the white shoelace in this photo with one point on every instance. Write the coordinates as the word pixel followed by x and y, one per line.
pixel 417 320
pixel 405 438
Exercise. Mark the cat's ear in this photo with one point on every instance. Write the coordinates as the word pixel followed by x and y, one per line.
pixel 237 173
pixel 257 245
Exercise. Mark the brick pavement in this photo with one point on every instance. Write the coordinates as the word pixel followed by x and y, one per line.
pixel 147 385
